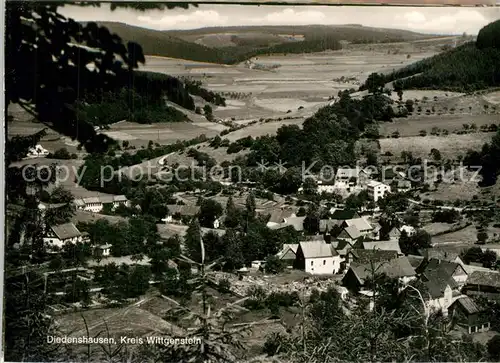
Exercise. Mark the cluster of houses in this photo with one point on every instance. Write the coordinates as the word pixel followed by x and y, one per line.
pixel 56 236
pixel 450 284
pixel 354 180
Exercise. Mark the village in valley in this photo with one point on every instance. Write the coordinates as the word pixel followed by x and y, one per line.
pixel 338 201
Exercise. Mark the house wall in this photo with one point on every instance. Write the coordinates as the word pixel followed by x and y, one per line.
pixel 322 265
pixel 93 207
pixel 442 303
pixel 56 242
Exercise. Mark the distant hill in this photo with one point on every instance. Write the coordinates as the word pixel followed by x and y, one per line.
pixel 468 67
pixel 230 45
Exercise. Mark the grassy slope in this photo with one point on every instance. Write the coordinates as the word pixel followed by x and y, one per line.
pixel 181 44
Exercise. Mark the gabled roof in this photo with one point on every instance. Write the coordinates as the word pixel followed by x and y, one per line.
pixel 120 198
pixel 360 223
pixel 344 214
pixel 292 246
pixel 468 305
pixel 439 254
pixel 481 278
pixel 91 200
pixel 382 245
pixel 106 199
pixel 352 232
pixel 368 256
pixel 436 282
pixel 65 231
pixel 444 268
pixel 79 202
pixel 317 249
pixel 395 268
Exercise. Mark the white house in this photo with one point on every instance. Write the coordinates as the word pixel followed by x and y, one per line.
pixel 103 250
pixel 377 190
pixel 58 236
pixel 37 151
pixel 317 258
pixel 409 230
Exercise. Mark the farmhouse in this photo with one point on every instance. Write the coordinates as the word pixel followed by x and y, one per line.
pixel 485 284
pixel 288 253
pixel 383 245
pixel 58 236
pixel 444 269
pixel 439 290
pixel 350 234
pixel 317 258
pixel 362 225
pixel 468 315
pixel 281 215
pixel 362 257
pixel 377 190
pixel 439 254
pixel 348 178
pixel 103 250
pixel 37 152
pixel 96 204
pixel 399 268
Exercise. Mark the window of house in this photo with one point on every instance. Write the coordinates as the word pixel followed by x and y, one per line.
pixel 324 262
pixel 312 263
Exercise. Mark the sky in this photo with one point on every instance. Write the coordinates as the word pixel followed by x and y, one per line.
pixel 438 20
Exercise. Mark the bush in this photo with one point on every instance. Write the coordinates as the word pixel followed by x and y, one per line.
pixel 224 286
pixel 62 154
pixel 274 265
pixel 494 348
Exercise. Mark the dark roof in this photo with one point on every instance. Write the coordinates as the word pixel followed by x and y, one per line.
pixel 343 214
pixel 436 282
pixel 415 261
pixel 439 254
pixel 491 279
pixel 362 256
pixel 445 268
pixel 396 268
pixel 66 230
pixel 468 305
